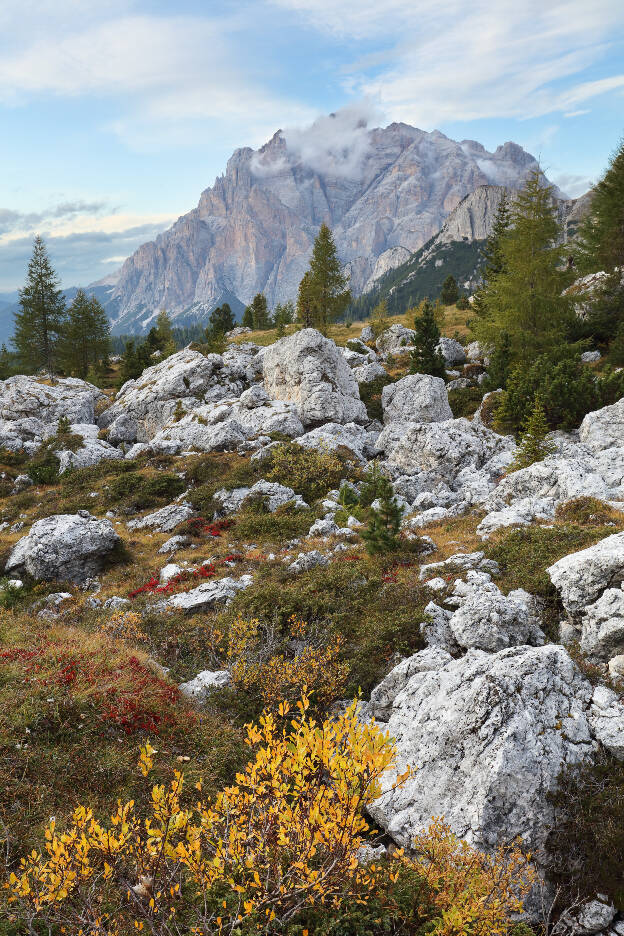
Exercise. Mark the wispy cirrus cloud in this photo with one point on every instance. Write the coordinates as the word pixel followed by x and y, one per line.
pixel 446 60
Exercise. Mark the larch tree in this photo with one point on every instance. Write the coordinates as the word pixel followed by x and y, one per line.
pixel 327 285
pixel 492 261
pixel 305 311
pixel 525 299
pixel 449 293
pixel 41 317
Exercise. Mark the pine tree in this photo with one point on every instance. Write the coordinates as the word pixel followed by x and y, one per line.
pixel 492 256
pixel 305 312
pixel 221 321
pixel 616 349
pixel 260 312
pixel 426 358
pixel 525 299
pixel 534 445
pixel 247 320
pixel 449 293
pixel 283 314
pixel 601 233
pixel 86 335
pixel 327 285
pixel 385 520
pixel 39 323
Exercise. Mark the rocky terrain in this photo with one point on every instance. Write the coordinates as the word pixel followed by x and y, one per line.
pixel 253 230
pixel 491 645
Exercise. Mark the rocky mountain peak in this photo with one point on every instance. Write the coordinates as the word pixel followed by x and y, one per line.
pixel 385 192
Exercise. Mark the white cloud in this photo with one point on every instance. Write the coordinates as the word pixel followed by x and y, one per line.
pixel 168 74
pixel 444 60
pixel 573 185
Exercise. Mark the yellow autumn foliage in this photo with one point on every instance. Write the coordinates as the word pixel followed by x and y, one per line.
pixel 280 842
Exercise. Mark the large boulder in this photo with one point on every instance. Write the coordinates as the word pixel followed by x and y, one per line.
pixel 452 351
pixel 590 584
pixel 583 576
pixel 308 370
pixel 170 388
pixel 445 448
pixel 48 400
pixel 395 338
pixel 604 428
pixel 417 398
pixel 164 520
pixel 92 451
pixel 350 439
pixel 273 496
pixel 64 547
pixel 487 736
pixel 224 426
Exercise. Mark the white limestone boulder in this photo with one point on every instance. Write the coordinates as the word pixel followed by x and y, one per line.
pixel 64 547
pixel 309 371
pixel 164 520
pixel 583 576
pixel 417 398
pixel 452 351
pixel 198 689
pixel 48 400
pixel 207 596
pixel 487 736
pixel 273 496
pixel 395 338
pixel 604 428
pixel 172 387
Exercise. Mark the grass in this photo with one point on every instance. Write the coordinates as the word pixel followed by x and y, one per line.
pixel 454 325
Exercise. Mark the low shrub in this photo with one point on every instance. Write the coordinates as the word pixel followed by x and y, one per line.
pixel 309 472
pixel 587 511
pixel 465 401
pixel 370 394
pixel 267 853
pixel 586 847
pixel 137 491
pixel 283 524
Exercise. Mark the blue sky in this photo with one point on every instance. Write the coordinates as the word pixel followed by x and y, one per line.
pixel 115 116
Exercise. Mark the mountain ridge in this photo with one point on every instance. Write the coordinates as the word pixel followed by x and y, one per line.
pixel 384 192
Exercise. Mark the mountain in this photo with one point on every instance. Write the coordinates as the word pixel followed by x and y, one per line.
pixel 455 250
pixel 384 195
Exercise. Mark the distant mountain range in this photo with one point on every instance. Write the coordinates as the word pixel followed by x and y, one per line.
pixel 456 250
pixel 253 230
pixel 396 199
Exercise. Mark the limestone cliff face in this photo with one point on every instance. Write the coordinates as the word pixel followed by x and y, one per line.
pixel 254 229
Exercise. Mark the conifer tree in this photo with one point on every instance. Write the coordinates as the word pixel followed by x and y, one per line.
pixel 247 320
pixel 260 312
pixel 426 358
pixel 86 335
pixel 500 363
pixel 534 445
pixel 526 298
pixel 601 233
pixel 449 293
pixel 385 520
pixel 221 320
pixel 165 334
pixel 39 322
pixel 7 363
pixel 327 285
pixel 305 311
pixel 283 314
pixel 492 256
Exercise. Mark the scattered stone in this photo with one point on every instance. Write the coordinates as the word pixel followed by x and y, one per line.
pixel 173 544
pixel 198 689
pixel 206 596
pixel 165 519
pixel 306 561
pixel 272 494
